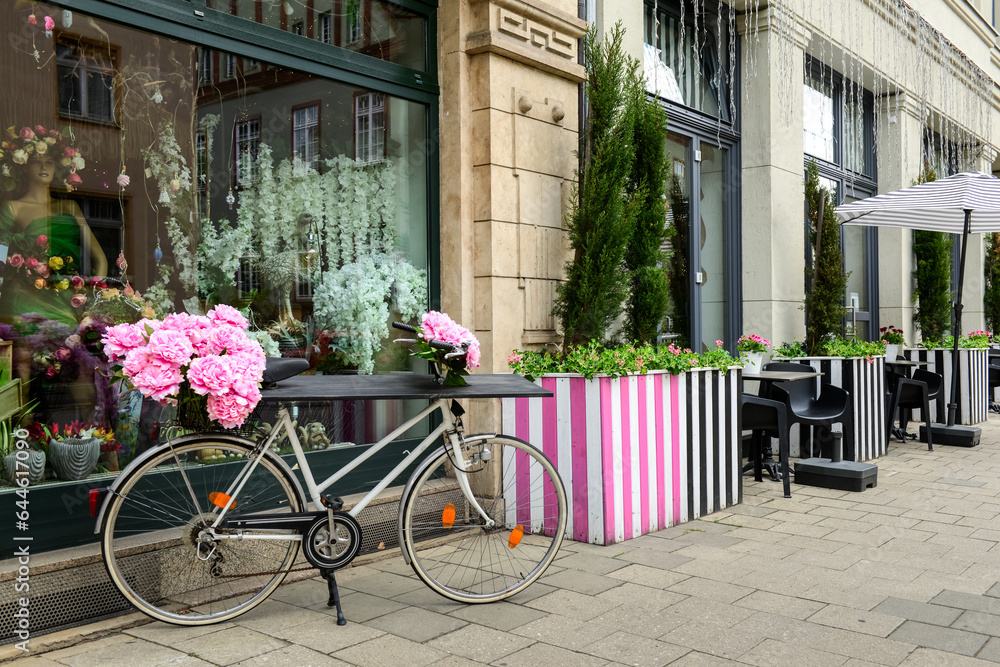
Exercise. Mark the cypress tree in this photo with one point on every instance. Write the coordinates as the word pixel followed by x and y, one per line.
pixel 603 211
pixel 825 300
pixel 933 293
pixel 648 299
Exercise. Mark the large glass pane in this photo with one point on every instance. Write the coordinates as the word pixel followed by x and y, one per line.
pixel 678 215
pixel 714 264
pixel 376 28
pixel 817 117
pixel 854 139
pixel 683 69
pixel 142 166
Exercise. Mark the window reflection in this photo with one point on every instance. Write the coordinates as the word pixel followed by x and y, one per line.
pixel 165 176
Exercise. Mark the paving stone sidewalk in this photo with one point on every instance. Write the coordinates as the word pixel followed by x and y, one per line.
pixel 903 574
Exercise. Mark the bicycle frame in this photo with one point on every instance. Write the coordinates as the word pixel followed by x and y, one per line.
pixel 448 427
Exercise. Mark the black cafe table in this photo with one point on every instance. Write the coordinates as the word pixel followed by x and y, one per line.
pixel 768 378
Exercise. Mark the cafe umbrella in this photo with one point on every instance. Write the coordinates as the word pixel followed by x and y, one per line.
pixel 962 204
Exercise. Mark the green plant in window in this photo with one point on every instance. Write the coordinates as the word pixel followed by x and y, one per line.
pixel 825 299
pixel 603 210
pixel 933 294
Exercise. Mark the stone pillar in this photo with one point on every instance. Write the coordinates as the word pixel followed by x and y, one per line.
pixel 772 192
pixel 900 146
pixel 509 86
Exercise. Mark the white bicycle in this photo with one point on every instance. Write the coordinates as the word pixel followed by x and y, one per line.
pixel 206 526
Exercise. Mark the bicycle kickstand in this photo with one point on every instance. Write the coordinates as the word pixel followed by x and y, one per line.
pixel 331 583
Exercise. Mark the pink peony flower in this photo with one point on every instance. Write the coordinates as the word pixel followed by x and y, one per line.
pixel 49 23
pixel 223 314
pixel 230 410
pixel 172 346
pixel 78 300
pixel 31 262
pixel 226 338
pixel 42 240
pixel 157 379
pixel 16 261
pixel 123 180
pixel 211 375
pixel 38 128
pixel 182 322
pixel 69 153
pixel 121 339
pixel 42 270
pixel 27 133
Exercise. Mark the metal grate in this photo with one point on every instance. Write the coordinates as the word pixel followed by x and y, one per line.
pixel 81 594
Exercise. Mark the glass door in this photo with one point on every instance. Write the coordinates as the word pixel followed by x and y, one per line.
pixel 700 252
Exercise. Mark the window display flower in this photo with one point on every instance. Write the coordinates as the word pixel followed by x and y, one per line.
pixel 22 144
pixel 892 335
pixel 435 326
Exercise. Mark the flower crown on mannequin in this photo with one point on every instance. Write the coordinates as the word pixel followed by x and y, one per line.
pixel 29 143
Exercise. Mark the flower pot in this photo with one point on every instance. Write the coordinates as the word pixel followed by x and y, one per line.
pixel 973 383
pixel 109 460
pixel 753 362
pixel 73 459
pixel 636 453
pixel 36 466
pixel 892 351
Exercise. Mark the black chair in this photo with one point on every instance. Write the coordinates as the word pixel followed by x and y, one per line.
pixel 805 408
pixel 993 379
pixel 905 395
pixel 763 416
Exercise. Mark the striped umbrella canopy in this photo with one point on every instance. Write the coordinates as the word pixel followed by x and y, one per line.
pixel 960 204
pixel 938 206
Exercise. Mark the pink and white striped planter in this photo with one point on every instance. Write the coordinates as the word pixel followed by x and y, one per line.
pixel 638 453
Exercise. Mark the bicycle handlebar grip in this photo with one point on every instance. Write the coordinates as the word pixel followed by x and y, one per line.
pixel 441 345
pixel 404 327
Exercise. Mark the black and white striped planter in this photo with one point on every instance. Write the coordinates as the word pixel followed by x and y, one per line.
pixel 637 453
pixel 865 382
pixel 973 382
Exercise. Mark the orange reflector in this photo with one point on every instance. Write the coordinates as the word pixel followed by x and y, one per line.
pixel 448 516
pixel 515 536
pixel 220 499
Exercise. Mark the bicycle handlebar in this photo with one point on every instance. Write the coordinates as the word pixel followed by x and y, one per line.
pixel 404 327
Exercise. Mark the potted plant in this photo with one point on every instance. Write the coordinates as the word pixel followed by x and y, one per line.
pixel 972 400
pixel 752 349
pixel 643 437
pixel 859 367
pixel 22 458
pixel 73 450
pixel 894 341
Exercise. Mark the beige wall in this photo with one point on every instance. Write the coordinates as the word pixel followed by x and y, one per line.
pixel 509 86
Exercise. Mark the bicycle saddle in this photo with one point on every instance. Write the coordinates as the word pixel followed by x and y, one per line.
pixel 277 369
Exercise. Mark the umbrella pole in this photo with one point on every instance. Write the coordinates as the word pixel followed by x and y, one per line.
pixel 956 329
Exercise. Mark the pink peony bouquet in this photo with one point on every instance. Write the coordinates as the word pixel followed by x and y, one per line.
pixel 435 326
pixel 205 365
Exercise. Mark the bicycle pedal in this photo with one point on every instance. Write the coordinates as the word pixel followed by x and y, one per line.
pixel 336 503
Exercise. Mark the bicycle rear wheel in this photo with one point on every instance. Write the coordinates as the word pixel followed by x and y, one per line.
pixel 448 542
pixel 158 546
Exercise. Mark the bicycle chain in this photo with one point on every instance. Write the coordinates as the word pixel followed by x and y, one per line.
pixel 257 574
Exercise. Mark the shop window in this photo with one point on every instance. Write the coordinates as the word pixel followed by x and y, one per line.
pixel 298 27
pixel 694 74
pixel 324 31
pixel 204 66
pixel 228 66
pixel 251 66
pixel 247 278
pixel 369 127
pixel 85 77
pixel 305 136
pixel 247 150
pixel 355 22
pixel 104 217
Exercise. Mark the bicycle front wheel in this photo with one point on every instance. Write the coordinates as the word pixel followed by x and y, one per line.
pixel 160 549
pixel 455 550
